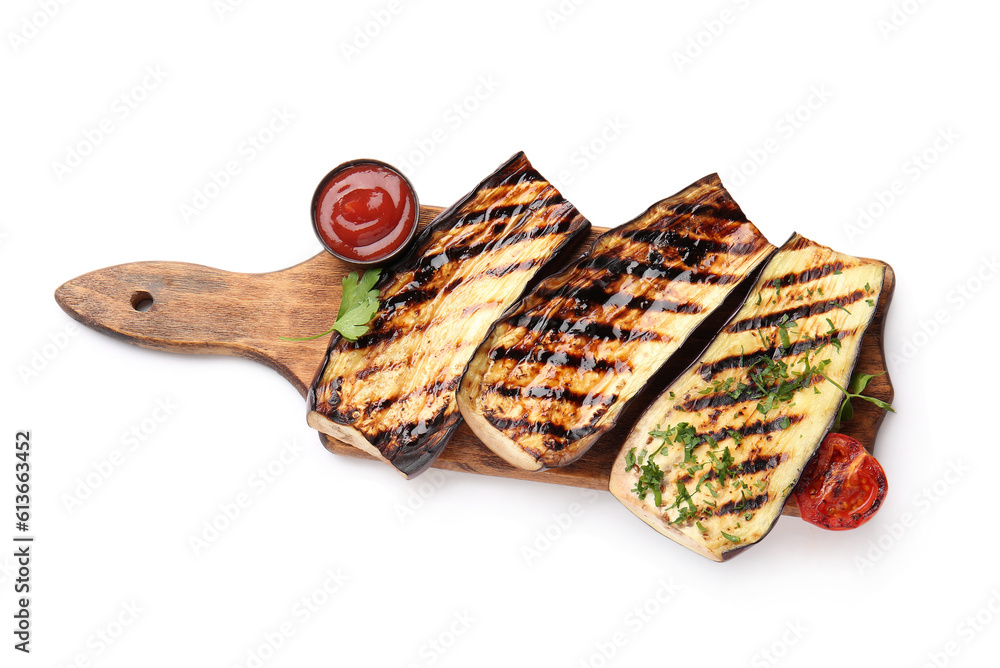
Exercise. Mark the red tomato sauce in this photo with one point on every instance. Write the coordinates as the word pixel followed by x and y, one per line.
pixel 365 211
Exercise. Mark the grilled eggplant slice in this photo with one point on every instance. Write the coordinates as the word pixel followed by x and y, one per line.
pixel 557 371
pixel 711 463
pixel 392 392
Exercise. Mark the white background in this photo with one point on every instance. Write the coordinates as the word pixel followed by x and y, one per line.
pixel 620 104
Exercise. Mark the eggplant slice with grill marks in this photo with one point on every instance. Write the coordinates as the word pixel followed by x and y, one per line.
pixel 556 372
pixel 392 392
pixel 712 461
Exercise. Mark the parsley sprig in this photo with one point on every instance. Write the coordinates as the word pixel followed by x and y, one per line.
pixel 358 305
pixel 859 382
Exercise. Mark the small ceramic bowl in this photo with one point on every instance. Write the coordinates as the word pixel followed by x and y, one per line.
pixel 359 243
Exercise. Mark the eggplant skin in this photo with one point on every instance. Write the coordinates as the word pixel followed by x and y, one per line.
pixel 392 392
pixel 811 305
pixel 557 371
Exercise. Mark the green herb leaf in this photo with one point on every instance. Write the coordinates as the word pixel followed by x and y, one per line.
pixel 878 402
pixel 358 305
pixel 854 389
pixel 731 538
pixel 630 459
pixel 846 411
pixel 859 381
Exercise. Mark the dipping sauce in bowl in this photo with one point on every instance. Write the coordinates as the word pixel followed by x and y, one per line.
pixel 365 212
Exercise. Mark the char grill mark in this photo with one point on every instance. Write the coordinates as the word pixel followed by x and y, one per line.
pixel 809 275
pixel 742 505
pixel 691 250
pixel 478 216
pixel 559 435
pixel 561 358
pixel 561 394
pixel 598 294
pixel 654 270
pixel 804 311
pixel 433 263
pixel 744 360
pixel 759 428
pixel 379 405
pixel 759 464
pixel 726 399
pixel 587 328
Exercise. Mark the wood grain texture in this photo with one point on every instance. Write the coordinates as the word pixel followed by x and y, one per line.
pixel 200 310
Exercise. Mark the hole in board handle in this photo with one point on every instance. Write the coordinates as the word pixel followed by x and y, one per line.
pixel 141 301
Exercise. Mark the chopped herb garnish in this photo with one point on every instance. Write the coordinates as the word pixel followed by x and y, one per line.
pixel 722 465
pixel 650 480
pixel 630 459
pixel 731 538
pixel 783 326
pixel 688 512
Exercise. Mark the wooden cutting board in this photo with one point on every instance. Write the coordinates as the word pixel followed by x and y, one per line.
pixel 200 310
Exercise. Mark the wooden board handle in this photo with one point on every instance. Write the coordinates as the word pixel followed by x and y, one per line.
pixel 200 310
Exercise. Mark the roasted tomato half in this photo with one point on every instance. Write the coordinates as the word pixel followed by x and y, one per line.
pixel 842 487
